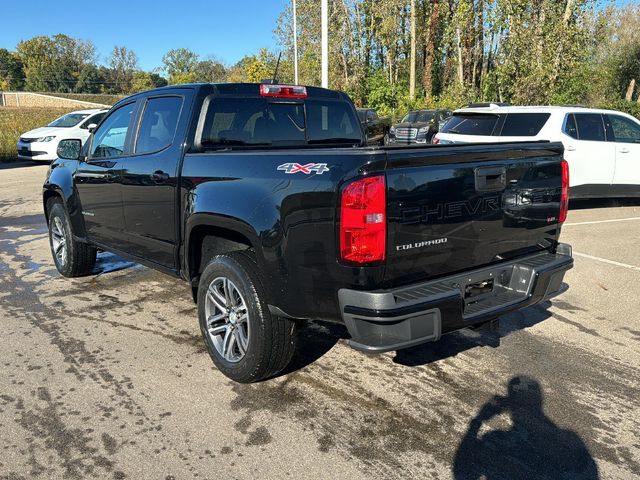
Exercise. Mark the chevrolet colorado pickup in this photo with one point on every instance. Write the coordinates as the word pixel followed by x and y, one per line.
pixel 267 200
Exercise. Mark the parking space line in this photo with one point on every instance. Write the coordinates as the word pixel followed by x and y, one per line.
pixel 604 260
pixel 602 221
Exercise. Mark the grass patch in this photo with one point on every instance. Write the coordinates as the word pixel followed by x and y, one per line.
pixel 16 121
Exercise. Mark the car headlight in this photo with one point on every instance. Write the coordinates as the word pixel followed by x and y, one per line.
pixel 45 139
pixel 423 130
pixel 392 129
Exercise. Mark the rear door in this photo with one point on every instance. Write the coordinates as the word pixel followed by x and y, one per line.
pixel 97 178
pixel 591 157
pixel 150 177
pixel 626 132
pixel 458 207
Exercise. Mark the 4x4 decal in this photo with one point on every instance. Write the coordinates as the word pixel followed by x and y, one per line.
pixel 318 168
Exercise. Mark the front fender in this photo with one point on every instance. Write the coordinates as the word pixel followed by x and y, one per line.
pixel 59 182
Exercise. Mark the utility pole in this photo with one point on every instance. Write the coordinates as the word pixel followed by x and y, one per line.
pixel 325 43
pixel 295 43
pixel 412 68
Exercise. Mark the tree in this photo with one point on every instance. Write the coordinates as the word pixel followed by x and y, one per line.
pixel 11 73
pixel 54 63
pixel 90 80
pixel 180 64
pixel 123 63
pixel 210 70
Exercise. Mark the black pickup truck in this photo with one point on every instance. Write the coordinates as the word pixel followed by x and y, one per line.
pixel 376 128
pixel 268 201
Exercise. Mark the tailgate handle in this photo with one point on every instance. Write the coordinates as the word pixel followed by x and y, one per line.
pixel 491 179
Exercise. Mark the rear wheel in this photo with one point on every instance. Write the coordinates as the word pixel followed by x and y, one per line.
pixel 244 340
pixel 71 257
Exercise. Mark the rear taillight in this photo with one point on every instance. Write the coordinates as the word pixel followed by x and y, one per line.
pixel 283 91
pixel 564 195
pixel 363 221
pixel 435 140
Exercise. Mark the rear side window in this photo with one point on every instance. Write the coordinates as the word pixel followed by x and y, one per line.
pixel 524 124
pixel 159 123
pixel 471 124
pixel 258 122
pixel 590 127
pixel 570 126
pixel 624 129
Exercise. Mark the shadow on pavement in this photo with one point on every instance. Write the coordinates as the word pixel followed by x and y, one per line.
pixel 533 447
pixel 603 203
pixel 20 164
pixel 457 342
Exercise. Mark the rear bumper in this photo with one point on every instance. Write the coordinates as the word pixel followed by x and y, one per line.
pixel 385 320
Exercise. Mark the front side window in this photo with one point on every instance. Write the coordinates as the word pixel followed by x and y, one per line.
pixel 69 120
pixel 590 127
pixel 109 140
pixel 471 124
pixel 159 124
pixel 524 124
pixel 625 130
pixel 96 119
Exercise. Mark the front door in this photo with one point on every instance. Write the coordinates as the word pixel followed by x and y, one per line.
pixel 150 180
pixel 97 179
pixel 626 132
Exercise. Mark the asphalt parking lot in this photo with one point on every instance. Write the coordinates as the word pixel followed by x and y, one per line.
pixel 106 376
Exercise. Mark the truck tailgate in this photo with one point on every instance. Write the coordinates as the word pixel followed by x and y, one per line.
pixel 452 209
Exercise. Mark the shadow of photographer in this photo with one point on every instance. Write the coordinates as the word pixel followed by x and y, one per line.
pixel 534 446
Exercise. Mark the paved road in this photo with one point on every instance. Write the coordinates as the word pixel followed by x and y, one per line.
pixel 106 376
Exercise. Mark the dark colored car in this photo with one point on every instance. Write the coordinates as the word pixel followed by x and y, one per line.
pixel 418 126
pixel 376 128
pixel 266 199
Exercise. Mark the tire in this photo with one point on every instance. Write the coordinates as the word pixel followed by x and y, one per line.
pixel 385 139
pixel 245 342
pixel 71 257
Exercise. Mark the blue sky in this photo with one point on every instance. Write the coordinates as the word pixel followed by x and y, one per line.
pixel 228 29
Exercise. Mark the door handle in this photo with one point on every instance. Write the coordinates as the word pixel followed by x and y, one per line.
pixel 110 176
pixel 159 176
pixel 571 148
pixel 624 150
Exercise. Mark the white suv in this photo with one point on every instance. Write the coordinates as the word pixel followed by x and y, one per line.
pixel 42 143
pixel 601 146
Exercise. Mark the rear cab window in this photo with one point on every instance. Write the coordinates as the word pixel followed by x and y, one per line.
pixel 471 124
pixel 232 122
pixel 524 124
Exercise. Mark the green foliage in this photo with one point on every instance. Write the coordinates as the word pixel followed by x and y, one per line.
pixel 11 73
pixel 146 81
pixel 16 121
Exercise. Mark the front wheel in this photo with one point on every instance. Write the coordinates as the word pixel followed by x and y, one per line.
pixel 243 339
pixel 71 257
pixel 385 139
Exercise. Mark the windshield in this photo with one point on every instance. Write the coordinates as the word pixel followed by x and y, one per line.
pixel 69 120
pixel 257 122
pixel 418 117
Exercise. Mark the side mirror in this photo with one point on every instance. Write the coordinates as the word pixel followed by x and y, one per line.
pixel 92 127
pixel 70 149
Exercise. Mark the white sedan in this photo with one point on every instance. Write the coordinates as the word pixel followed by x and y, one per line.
pixel 42 143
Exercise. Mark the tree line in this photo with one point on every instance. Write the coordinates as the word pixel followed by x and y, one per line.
pixel 392 55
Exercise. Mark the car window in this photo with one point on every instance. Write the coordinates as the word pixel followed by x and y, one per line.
pixel 95 119
pixel 625 130
pixel 110 137
pixel 470 124
pixel 255 121
pixel 590 127
pixel 570 126
pixel 69 120
pixel 371 115
pixel 159 124
pixel 424 117
pixel 524 124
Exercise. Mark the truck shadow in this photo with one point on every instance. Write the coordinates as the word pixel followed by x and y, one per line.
pixel 532 447
pixel 460 341
pixel 603 203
